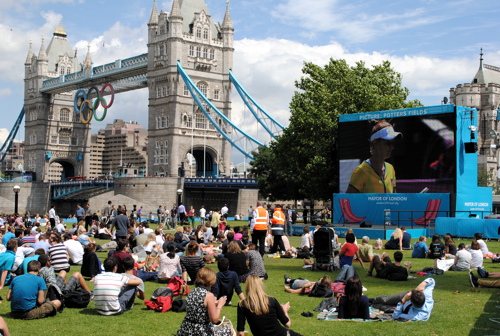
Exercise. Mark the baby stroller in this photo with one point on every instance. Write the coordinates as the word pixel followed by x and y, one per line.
pixel 323 250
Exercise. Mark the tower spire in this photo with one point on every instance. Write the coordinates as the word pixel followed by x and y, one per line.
pixel 481 59
pixel 42 54
pixel 30 56
pixel 88 58
pixel 153 20
pixel 176 9
pixel 227 23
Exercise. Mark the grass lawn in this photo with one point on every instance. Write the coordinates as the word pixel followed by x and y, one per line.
pixel 457 309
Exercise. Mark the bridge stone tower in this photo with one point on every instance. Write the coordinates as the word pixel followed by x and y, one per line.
pixel 56 141
pixel 182 142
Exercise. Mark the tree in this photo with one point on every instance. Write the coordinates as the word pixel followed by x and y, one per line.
pixel 304 156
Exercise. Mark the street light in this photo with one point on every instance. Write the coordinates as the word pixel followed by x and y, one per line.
pixel 16 189
pixel 179 195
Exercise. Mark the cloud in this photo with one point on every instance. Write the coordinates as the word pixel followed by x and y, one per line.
pixel 354 23
pixel 4 133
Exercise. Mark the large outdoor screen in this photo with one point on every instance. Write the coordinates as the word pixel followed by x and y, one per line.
pixel 423 158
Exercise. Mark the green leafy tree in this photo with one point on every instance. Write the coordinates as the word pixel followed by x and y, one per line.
pixel 304 156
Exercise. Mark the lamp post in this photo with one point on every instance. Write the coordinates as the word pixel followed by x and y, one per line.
pixel 16 189
pixel 179 196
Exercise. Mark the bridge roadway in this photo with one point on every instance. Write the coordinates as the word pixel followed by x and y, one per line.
pixel 125 75
pixel 73 189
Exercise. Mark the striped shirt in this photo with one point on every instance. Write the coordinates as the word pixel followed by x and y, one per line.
pixel 59 257
pixel 107 288
pixel 192 265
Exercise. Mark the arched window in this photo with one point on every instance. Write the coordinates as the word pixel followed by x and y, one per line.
pixel 201 121
pixel 64 115
pixel 205 34
pixel 203 88
pixel 198 32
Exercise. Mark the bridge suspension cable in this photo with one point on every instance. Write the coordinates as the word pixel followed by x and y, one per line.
pixel 240 140
pixel 271 125
pixel 10 138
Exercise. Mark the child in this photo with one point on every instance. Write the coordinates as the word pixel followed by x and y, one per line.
pixel 227 282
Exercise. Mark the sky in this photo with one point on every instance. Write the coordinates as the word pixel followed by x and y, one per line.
pixel 434 44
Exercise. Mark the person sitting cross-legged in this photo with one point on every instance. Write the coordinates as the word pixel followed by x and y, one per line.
pixel 27 296
pixel 420 249
pixel 227 282
pixel 109 296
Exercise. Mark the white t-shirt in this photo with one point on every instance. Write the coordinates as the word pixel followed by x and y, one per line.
pixel 305 241
pixel 483 246
pixel 203 212
pixel 477 259
pixel 464 259
pixel 75 250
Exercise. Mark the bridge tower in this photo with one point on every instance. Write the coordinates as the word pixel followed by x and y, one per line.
pixel 57 143
pixel 181 141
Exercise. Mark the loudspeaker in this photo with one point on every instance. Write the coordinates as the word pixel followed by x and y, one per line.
pixel 366 224
pixel 470 147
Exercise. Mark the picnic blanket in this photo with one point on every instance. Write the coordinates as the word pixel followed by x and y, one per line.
pixel 375 315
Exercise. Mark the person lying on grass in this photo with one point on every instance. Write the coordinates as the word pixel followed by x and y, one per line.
pixel 414 305
pixel 321 288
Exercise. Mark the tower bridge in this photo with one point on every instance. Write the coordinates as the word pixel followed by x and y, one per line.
pixel 189 111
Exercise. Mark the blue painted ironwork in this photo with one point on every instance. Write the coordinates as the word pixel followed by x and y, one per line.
pixel 258 112
pixel 198 96
pixel 220 183
pixel 59 189
pixel 10 138
pixel 131 72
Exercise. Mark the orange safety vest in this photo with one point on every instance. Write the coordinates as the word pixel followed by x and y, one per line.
pixel 278 217
pixel 278 222
pixel 262 219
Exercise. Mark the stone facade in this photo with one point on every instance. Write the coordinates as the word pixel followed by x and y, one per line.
pixel 483 93
pixel 55 139
pixel 179 134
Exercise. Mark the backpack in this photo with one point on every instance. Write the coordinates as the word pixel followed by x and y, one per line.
pixel 294 216
pixel 161 300
pixel 78 298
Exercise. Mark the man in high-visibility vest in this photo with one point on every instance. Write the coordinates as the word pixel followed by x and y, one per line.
pixel 278 228
pixel 259 226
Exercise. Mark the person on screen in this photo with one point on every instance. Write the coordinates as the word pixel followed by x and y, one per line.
pixel 374 175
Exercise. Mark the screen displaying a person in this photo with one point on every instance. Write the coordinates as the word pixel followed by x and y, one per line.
pixel 374 175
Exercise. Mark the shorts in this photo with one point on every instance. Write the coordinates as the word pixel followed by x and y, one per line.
pixel 45 310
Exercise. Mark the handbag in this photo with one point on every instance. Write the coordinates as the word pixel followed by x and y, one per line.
pixel 152 261
pixel 224 328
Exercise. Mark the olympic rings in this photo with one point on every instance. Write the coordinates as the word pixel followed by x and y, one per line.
pixel 87 104
pixel 96 105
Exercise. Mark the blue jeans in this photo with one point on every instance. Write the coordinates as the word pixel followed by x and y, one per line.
pixel 347 272
pixel 126 298
pixel 289 229
pixel 147 276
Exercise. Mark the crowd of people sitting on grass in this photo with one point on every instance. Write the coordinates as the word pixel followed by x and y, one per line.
pixel 35 262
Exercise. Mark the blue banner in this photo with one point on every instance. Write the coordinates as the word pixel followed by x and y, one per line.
pixel 395 209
